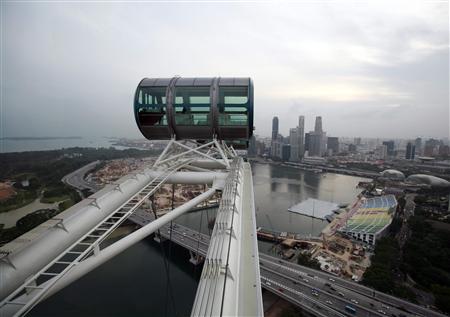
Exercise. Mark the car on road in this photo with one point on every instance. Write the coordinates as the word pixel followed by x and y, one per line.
pixel 305 280
pixel 381 311
pixel 341 294
pixel 332 288
pixel 329 302
pixel 327 284
pixel 332 279
pixel 384 306
pixel 268 283
pixel 354 301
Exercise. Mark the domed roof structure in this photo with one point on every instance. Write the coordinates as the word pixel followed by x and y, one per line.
pixel 428 180
pixel 393 174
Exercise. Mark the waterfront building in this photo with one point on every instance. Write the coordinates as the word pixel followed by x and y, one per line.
pixel 274 128
pixel 317 139
pixel 410 151
pixel 371 220
pixel 285 152
pixel 307 142
pixel 333 144
pixel 277 146
pixel 293 141
pixel 301 137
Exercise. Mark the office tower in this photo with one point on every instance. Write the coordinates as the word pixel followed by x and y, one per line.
pixel 251 152
pixel 273 145
pixel 333 144
pixel 318 125
pixel 317 139
pixel 301 137
pixel 357 141
pixel 410 151
pixel 418 145
pixel 274 128
pixel 285 152
pixel 293 141
pixel 390 147
pixel 307 141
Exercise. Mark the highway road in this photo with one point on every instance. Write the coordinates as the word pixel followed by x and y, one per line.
pixel 323 292
pixel 76 178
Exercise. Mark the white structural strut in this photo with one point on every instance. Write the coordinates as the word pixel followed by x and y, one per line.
pixel 230 280
pixel 23 258
pixel 106 254
pixel 231 284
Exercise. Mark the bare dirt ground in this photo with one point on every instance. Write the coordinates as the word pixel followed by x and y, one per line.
pixel 6 191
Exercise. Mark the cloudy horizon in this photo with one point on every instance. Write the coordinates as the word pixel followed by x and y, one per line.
pixel 369 69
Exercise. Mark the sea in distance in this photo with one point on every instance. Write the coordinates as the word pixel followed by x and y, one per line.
pixel 23 144
pixel 150 279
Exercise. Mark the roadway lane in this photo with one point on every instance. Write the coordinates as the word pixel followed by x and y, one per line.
pixel 76 178
pixel 328 294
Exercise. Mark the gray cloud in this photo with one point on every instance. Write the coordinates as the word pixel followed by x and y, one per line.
pixel 72 68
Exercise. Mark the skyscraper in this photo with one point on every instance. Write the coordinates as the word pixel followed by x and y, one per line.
pixel 293 141
pixel 418 145
pixel 410 151
pixel 318 125
pixel 301 137
pixel 274 128
pixel 317 139
pixel 390 147
pixel 307 142
pixel 333 144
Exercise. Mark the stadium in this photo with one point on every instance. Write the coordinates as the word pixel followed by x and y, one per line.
pixel 371 219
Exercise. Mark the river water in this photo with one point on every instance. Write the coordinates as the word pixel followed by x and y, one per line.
pixel 149 280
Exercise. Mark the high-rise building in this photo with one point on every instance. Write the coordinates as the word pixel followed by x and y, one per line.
pixel 251 152
pixel 444 150
pixel 307 142
pixel 333 144
pixel 318 125
pixel 273 144
pixel 418 145
pixel 301 137
pixel 277 147
pixel 390 147
pixel 285 152
pixel 274 128
pixel 382 152
pixel 293 141
pixel 410 151
pixel 317 139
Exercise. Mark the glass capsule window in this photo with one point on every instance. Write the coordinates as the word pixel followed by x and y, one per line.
pixel 192 106
pixel 151 106
pixel 233 106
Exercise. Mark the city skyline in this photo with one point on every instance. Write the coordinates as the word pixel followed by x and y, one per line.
pixel 370 69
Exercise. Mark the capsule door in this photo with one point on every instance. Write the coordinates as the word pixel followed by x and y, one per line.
pixel 234 113
pixel 192 112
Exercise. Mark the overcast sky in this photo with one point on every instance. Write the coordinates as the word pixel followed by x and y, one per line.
pixel 378 69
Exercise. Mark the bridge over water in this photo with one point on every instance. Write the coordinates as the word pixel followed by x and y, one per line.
pixel 296 283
